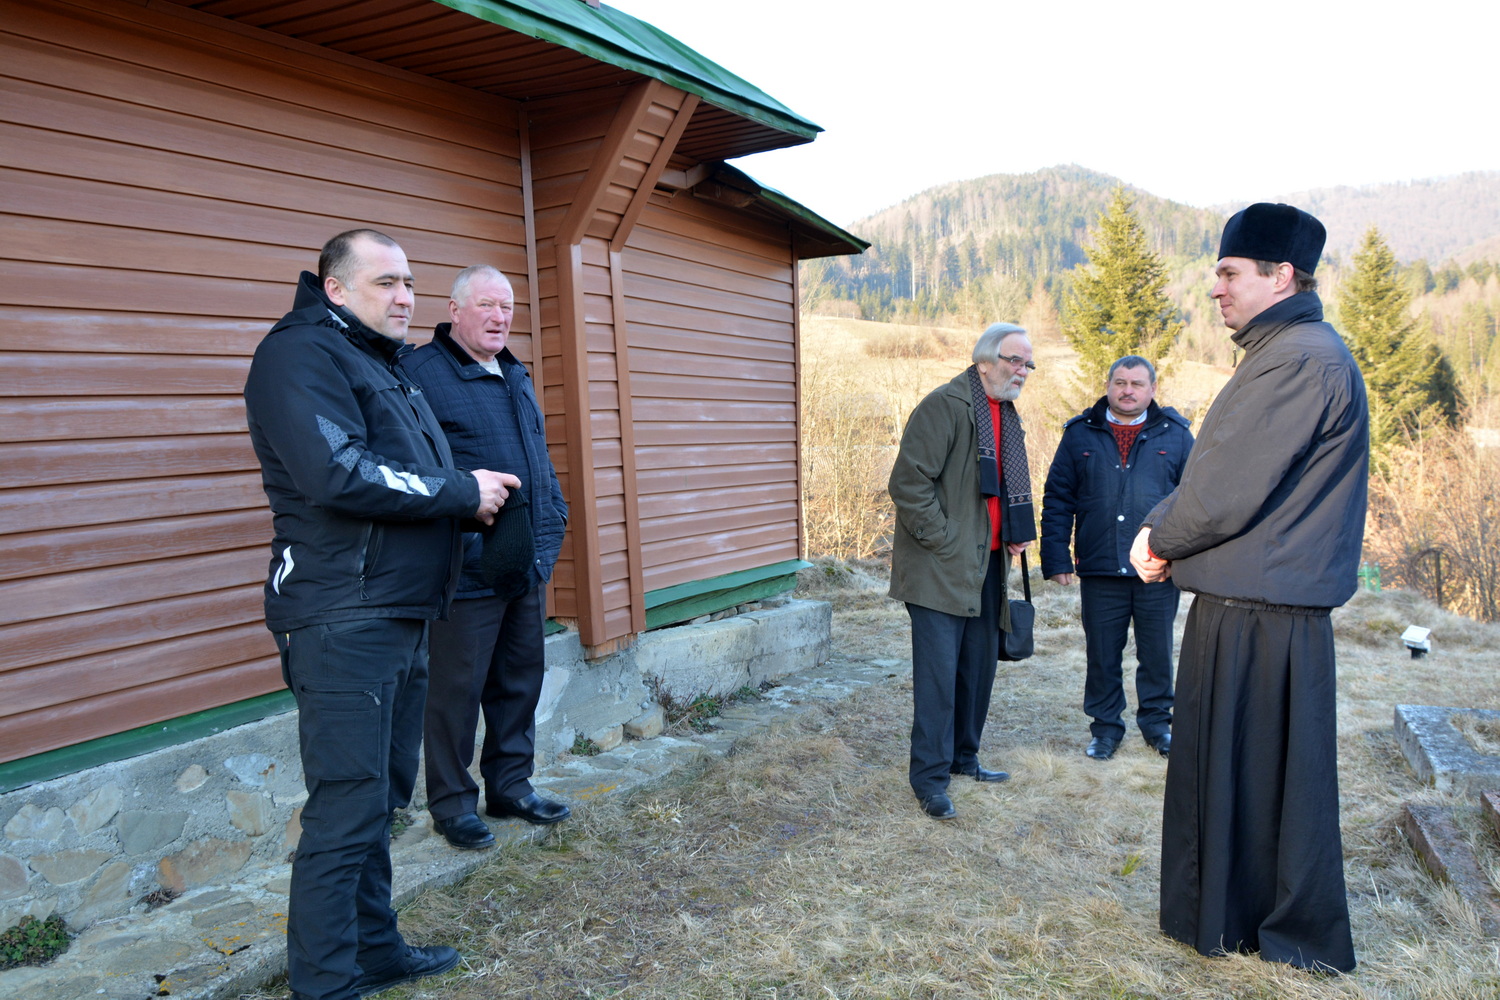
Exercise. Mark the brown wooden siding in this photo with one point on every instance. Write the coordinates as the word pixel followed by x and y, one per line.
pixel 162 181
pixel 711 315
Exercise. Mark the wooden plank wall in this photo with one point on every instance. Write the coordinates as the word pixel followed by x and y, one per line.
pixel 711 308
pixel 162 181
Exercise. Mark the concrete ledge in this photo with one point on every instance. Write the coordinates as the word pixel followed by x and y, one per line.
pixel 1435 839
pixel 175 822
pixel 1440 755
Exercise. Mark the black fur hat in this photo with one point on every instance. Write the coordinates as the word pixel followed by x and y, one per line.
pixel 1275 233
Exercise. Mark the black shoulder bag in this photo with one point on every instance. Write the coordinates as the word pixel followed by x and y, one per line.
pixel 1017 643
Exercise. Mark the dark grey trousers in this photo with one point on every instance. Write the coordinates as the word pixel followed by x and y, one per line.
pixel 488 657
pixel 1111 604
pixel 360 686
pixel 953 673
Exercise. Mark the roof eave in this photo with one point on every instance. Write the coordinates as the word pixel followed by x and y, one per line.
pixel 614 37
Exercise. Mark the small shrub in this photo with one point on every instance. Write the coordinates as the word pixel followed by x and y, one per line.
pixel 697 713
pixel 585 747
pixel 33 942
pixel 700 710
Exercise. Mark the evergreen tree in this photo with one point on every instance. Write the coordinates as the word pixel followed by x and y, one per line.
pixel 1410 382
pixel 1419 277
pixel 1118 304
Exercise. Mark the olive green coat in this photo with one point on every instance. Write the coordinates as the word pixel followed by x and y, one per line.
pixel 942 543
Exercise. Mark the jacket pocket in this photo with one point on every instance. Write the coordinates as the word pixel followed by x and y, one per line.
pixel 340 730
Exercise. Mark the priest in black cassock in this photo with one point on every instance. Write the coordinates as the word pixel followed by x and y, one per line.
pixel 1265 530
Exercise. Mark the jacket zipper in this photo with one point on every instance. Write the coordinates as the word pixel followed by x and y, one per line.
pixel 365 557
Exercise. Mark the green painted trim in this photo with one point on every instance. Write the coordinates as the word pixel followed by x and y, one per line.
pixel 134 742
pixel 686 601
pixel 552 626
pixel 667 595
pixel 614 37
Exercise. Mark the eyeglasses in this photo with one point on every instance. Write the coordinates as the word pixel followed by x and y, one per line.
pixel 1016 362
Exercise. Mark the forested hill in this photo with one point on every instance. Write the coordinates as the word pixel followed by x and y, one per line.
pixel 989 242
pixel 987 246
pixel 1446 217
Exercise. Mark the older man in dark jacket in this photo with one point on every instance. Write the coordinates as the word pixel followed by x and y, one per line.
pixel 489 655
pixel 1265 529
pixel 1114 463
pixel 962 491
pixel 365 500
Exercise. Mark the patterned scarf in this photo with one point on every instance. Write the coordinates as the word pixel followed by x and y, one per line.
pixel 1017 517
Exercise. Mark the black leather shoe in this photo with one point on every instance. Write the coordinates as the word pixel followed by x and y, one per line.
pixel 420 963
pixel 1161 743
pixel 532 808
pixel 1102 747
pixel 466 832
pixel 979 773
pixel 939 806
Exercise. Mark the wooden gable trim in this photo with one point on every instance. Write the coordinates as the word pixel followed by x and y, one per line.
pixel 653 173
pixel 605 169
pixel 594 221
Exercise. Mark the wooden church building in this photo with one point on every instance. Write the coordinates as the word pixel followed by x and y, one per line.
pixel 167 167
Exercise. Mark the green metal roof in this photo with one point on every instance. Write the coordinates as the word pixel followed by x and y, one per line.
pixel 818 236
pixel 616 38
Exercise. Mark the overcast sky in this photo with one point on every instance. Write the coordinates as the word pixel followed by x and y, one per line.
pixel 1202 103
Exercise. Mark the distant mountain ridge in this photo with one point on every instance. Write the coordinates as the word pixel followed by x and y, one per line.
pixel 988 244
pixel 1436 219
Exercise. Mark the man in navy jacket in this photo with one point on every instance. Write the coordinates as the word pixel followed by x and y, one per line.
pixel 1114 463
pixel 489 655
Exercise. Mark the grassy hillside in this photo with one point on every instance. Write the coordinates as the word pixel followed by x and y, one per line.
pixel 800 867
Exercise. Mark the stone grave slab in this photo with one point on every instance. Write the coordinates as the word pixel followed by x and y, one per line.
pixel 1439 751
pixel 1448 857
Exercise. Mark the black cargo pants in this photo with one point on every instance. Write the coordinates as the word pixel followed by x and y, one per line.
pixel 360 688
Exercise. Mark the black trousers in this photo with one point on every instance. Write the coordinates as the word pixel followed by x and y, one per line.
pixel 488 657
pixel 359 687
pixel 953 673
pixel 1251 856
pixel 1110 605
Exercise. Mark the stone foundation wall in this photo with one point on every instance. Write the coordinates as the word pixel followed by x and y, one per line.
pixel 97 843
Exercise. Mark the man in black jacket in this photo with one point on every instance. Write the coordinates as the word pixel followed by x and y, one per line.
pixel 1115 461
pixel 489 655
pixel 1265 528
pixel 365 503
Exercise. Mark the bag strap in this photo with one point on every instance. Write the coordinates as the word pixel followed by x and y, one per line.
pixel 1025 576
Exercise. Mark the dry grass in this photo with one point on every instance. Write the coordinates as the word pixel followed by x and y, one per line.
pixel 800 867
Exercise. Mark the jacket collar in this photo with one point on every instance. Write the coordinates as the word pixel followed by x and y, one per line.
pixel 462 360
pixel 1096 415
pixel 1304 307
pixel 312 306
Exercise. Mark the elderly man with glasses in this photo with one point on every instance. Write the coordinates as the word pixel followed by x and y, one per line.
pixel 962 490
